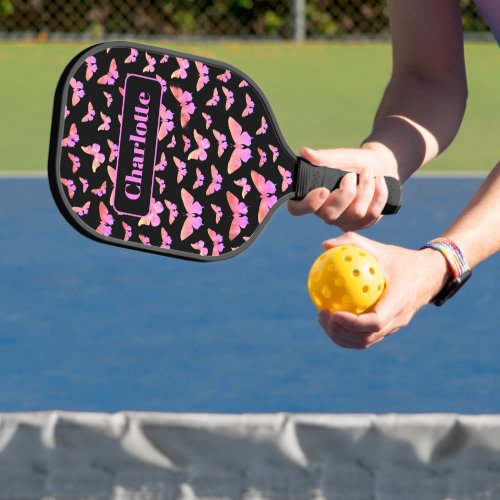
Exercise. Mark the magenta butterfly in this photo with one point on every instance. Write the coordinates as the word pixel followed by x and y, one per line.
pixel 201 152
pixel 240 218
pixel 193 220
pixel 241 154
pixel 111 76
pixel 266 190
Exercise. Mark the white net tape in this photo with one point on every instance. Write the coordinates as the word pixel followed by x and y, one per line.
pixel 164 456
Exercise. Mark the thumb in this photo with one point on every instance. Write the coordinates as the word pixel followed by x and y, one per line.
pixel 351 159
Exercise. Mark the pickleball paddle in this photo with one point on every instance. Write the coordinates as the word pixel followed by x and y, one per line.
pixel 176 154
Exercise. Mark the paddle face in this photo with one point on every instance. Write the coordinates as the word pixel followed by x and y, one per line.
pixel 160 151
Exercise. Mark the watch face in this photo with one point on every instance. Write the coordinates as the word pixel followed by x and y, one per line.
pixel 451 288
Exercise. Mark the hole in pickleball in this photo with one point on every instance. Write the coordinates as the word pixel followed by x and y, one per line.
pixel 356 273
pixel 372 270
pixel 366 289
pixel 317 276
pixel 330 268
pixel 359 310
pixel 339 281
pixel 362 254
pixel 379 287
pixel 348 258
pixel 327 293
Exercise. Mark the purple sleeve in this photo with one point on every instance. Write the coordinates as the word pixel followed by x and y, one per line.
pixel 490 9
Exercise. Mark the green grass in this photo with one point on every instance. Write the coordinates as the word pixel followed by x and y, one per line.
pixel 323 94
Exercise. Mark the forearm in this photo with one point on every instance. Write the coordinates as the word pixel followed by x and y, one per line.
pixel 416 120
pixel 477 230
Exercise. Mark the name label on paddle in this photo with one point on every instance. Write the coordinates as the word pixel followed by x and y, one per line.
pixel 137 146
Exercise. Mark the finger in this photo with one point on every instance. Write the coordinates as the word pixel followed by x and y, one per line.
pixel 338 334
pixel 339 200
pixel 342 158
pixel 311 203
pixel 380 196
pixel 348 238
pixel 365 191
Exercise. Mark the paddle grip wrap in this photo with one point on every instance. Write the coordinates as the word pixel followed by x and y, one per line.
pixel 310 177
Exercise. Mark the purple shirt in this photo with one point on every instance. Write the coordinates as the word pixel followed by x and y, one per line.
pixel 490 9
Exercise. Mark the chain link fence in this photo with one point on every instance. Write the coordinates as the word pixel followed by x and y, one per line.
pixel 284 19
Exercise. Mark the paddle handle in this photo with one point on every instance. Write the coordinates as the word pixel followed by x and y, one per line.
pixel 309 177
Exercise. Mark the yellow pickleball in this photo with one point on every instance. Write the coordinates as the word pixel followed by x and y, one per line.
pixel 346 278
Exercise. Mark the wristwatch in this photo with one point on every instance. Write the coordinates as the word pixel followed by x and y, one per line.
pixel 460 270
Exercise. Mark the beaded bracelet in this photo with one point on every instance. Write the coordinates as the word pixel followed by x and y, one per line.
pixel 460 269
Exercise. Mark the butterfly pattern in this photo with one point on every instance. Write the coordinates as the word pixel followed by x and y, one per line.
pixel 220 166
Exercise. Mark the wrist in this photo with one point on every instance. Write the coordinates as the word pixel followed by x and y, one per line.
pixel 437 273
pixel 386 157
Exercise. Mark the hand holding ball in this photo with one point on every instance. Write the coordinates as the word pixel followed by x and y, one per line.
pixel 346 278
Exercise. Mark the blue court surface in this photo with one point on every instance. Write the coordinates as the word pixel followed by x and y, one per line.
pixel 92 327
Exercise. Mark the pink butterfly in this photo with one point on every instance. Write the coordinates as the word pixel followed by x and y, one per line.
pixel 243 83
pixel 164 59
pixel 95 151
pixel 221 139
pixel 216 181
pixel 263 128
pixel 90 113
pixel 111 76
pixel 187 106
pixel 163 83
pixel 173 213
pixel 128 231
pixel 161 184
pixel 91 67
pixel 113 151
pixel 72 138
pixel 166 240
pixel 266 190
pixel 287 178
pixel 106 120
pixel 106 220
pixel 200 246
pixel 217 241
pixel 243 183
pixel 187 143
pixel 263 157
pixel 240 219
pixel 172 143
pixel 82 210
pixel 109 98
pixel 215 98
pixel 249 107
pixel 201 152
pixel 132 57
pixel 101 191
pixel 167 125
pixel 181 168
pixel 225 76
pixel 183 66
pixel 152 218
pixel 85 184
pixel 144 239
pixel 275 152
pixel 229 97
pixel 208 120
pixel 194 210
pixel 200 179
pixel 203 75
pixel 76 162
pixel 112 176
pixel 70 185
pixel 241 139
pixel 163 163
pixel 218 212
pixel 78 91
pixel 150 67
